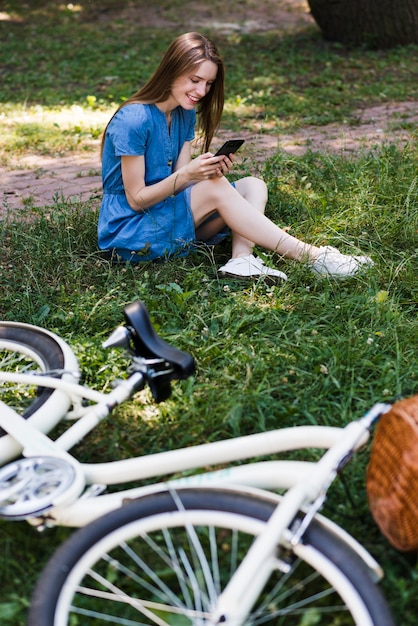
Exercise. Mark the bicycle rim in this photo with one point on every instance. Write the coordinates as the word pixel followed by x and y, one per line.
pixel 168 567
pixel 28 349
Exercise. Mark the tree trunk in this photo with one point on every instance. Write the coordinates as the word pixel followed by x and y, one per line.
pixel 376 23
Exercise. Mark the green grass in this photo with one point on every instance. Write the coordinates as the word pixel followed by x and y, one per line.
pixel 306 352
pixel 53 59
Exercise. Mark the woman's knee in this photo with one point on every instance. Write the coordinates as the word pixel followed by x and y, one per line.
pixel 252 188
pixel 209 196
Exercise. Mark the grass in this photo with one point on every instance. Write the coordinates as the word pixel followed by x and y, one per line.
pixel 53 86
pixel 308 351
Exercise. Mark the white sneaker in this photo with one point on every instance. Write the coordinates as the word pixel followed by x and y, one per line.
pixel 249 267
pixel 331 262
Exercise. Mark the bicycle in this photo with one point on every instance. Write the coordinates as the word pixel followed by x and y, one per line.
pixel 209 548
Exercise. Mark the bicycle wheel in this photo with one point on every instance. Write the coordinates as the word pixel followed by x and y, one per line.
pixel 151 563
pixel 28 349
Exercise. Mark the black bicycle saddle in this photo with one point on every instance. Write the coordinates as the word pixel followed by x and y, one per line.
pixel 149 344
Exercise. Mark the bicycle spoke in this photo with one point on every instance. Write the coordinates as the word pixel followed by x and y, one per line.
pixel 133 602
pixel 157 587
pixel 155 564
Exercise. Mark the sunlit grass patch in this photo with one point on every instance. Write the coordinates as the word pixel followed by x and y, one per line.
pixel 49 130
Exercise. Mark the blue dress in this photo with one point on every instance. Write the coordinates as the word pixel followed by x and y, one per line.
pixel 165 228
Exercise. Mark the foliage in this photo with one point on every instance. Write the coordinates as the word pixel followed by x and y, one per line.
pixel 306 351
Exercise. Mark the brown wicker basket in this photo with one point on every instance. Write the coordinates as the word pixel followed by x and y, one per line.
pixel 392 475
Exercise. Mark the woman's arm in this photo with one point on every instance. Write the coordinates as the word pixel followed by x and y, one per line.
pixel 141 196
pixel 185 156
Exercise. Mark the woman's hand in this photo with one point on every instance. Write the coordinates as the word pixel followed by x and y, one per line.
pixel 207 166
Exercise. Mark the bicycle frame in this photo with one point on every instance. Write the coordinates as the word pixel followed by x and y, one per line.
pixel 35 443
pixel 76 510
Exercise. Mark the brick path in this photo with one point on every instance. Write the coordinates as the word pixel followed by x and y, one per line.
pixel 43 181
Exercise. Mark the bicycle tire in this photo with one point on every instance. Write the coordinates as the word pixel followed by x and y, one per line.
pixel 29 349
pixel 157 540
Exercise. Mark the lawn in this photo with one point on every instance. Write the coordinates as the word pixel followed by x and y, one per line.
pixel 307 351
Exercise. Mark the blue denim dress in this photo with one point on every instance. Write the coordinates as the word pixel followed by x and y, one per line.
pixel 166 228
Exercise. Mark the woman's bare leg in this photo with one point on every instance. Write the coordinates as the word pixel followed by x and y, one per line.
pixel 242 209
pixel 254 191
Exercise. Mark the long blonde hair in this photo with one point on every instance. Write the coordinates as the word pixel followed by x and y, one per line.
pixel 183 55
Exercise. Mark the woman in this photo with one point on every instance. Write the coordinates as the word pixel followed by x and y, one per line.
pixel 158 201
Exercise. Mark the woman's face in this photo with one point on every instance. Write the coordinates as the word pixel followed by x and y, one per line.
pixel 188 89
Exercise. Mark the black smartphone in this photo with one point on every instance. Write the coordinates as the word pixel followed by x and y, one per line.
pixel 232 145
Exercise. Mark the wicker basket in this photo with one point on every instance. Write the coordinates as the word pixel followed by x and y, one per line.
pixel 392 475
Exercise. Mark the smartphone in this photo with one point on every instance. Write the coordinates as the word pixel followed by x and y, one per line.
pixel 232 145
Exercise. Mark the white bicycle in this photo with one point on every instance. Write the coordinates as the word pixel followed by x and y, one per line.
pixel 220 547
